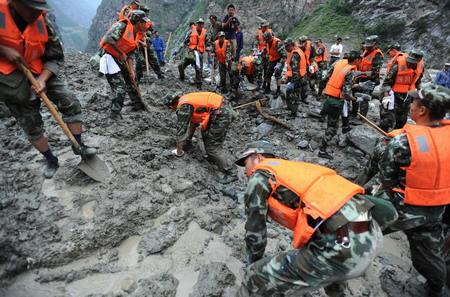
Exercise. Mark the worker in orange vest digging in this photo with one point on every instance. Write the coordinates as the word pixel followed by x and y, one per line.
pixel 207 110
pixel 335 236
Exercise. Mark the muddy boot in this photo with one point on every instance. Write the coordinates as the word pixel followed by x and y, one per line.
pixel 161 76
pixel 322 118
pixel 50 169
pixel 267 89
pixel 346 129
pixel 84 150
pixel 324 154
pixel 137 106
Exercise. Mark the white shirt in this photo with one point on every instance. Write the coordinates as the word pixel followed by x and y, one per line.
pixel 336 48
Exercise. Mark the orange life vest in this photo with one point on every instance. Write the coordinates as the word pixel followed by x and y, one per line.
pixel 126 44
pixel 205 100
pixel 334 85
pixel 249 62
pixel 307 52
pixel 197 42
pixel 140 34
pixel 406 77
pixel 324 56
pixel 366 62
pixel 272 50
pixel 301 65
pixel 393 61
pixel 261 41
pixel 30 43
pixel 221 52
pixel 322 192
pixel 122 12
pixel 427 182
pixel 419 71
pixel 395 133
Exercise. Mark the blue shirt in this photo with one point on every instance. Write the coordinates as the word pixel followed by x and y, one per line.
pixel 443 78
pixel 230 31
pixel 158 44
pixel 240 40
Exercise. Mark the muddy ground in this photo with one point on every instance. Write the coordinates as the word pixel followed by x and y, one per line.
pixel 159 225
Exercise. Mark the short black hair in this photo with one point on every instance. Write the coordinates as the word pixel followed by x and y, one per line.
pixel 231 6
pixel 213 17
pixel 174 101
pixel 339 38
pixel 436 108
pixel 191 24
pixel 156 32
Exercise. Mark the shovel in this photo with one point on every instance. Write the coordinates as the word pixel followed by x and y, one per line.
pixel 372 124
pixel 136 86
pixel 93 166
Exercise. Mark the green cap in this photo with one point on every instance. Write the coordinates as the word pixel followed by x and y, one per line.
pixel 289 41
pixel 267 35
pixel 37 4
pixel 255 147
pixel 303 38
pixel 371 40
pixel 353 55
pixel 394 45
pixel 144 8
pixel 136 2
pixel 414 56
pixel 170 97
pixel 436 96
pixel 319 40
pixel 138 16
pixel 221 33
pixel 265 23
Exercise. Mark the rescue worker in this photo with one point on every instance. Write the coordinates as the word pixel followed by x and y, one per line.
pixel 310 53
pixel 222 52
pixel 207 110
pixel 277 55
pixel 29 38
pixel 260 44
pixel 369 70
pixel 335 237
pixel 297 82
pixel 197 44
pixel 338 92
pixel 321 60
pixel 414 177
pixel 251 68
pixel 404 75
pixel 394 51
pixel 119 48
pixel 125 12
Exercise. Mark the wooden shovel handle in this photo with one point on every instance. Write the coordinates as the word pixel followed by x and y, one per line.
pixel 372 124
pixel 250 103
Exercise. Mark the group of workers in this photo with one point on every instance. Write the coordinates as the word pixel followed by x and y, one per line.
pixel 337 228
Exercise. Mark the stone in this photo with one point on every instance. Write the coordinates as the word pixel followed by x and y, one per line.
pixel 213 279
pixel 364 138
pixel 128 285
pixel 303 144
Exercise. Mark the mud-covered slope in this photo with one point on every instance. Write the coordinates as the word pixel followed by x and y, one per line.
pixel 159 225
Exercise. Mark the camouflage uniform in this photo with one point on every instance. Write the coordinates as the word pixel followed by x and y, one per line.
pixel 214 135
pixel 26 111
pixel 263 57
pixel 332 107
pixel 300 90
pixel 120 82
pixel 257 74
pixel 271 64
pixel 321 67
pixel 320 263
pixel 223 69
pixel 189 59
pixel 421 224
pixel 399 115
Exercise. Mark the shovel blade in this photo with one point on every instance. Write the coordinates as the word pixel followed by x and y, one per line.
pixel 94 167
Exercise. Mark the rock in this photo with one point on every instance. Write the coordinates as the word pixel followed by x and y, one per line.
pixel 157 286
pixel 212 280
pixel 156 240
pixel 263 129
pixel 128 285
pixel 303 144
pixel 364 138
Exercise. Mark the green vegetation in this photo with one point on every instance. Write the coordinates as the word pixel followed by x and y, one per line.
pixel 387 30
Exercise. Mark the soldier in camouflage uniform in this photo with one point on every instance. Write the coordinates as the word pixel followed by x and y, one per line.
pixel 275 66
pixel 398 113
pixel 321 54
pixel 213 136
pixel 226 65
pixel 121 82
pixel 297 85
pixel 323 260
pixel 15 88
pixel 260 45
pixel 421 224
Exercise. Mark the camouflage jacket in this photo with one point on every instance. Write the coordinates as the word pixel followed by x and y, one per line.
pixel 389 81
pixel 295 61
pixel 256 206
pixel 281 51
pixel 320 51
pixel 115 34
pixel 348 83
pixel 258 69
pixel 227 51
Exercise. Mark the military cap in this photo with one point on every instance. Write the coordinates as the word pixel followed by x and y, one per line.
pixel 289 41
pixel 319 40
pixel 303 38
pixel 414 56
pixel 353 55
pixel 437 97
pixel 37 4
pixel 255 49
pixel 255 147
pixel 264 24
pixel 267 35
pixel 138 16
pixel 138 2
pixel 221 33
pixel 144 8
pixel 200 20
pixel 371 40
pixel 170 97
pixel 394 45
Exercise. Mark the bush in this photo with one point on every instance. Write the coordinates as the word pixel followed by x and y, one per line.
pixel 387 30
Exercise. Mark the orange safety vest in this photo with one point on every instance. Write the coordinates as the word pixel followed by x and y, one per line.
pixel 221 52
pixel 393 61
pixel 126 44
pixel 322 192
pixel 307 52
pixel 140 34
pixel 366 62
pixel 419 71
pixel 205 100
pixel 197 42
pixel 324 57
pixel 272 50
pixel 261 41
pixel 249 62
pixel 334 85
pixel 427 182
pixel 301 66
pixel 30 43
pixel 122 12
pixel 406 77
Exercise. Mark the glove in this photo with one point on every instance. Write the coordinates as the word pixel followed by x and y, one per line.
pixel 358 73
pixel 244 85
pixel 278 67
pixel 386 100
pixel 368 73
pixel 174 152
pixel 359 99
pixel 311 69
pixel 367 85
pixel 290 86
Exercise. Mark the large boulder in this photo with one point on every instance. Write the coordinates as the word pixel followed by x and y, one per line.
pixel 364 138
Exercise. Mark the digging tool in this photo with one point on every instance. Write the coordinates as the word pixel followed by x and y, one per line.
pixel 146 56
pixel 212 72
pixel 372 124
pixel 136 86
pixel 93 166
pixel 250 103
pixel 280 122
pixel 168 43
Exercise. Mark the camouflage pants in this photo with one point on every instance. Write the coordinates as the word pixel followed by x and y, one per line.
pixel 223 70
pixel 300 92
pixel 320 263
pixel 141 66
pixel 362 107
pixel 190 60
pixel 332 108
pixel 29 117
pixel 121 85
pixel 270 70
pixel 264 63
pixel 397 117
pixel 321 67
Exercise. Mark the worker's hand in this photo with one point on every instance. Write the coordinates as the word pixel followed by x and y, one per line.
pixel 311 69
pixel 123 56
pixel 12 55
pixel 283 81
pixel 42 86
pixel 358 73
pixel 290 86
pixel 174 152
pixel 386 101
pixel 367 85
pixel 359 99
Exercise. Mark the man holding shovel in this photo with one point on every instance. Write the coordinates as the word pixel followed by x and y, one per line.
pixel 28 38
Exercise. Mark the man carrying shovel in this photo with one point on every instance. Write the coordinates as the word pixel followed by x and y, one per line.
pixel 28 38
